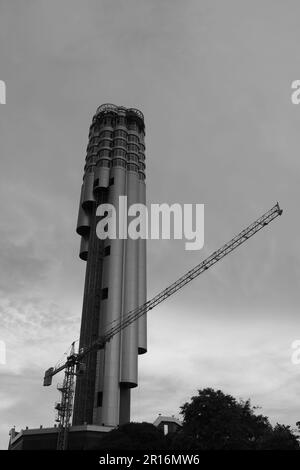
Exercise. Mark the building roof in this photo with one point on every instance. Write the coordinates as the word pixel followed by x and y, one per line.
pixel 166 419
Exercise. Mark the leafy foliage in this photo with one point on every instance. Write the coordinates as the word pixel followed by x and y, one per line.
pixel 214 420
pixel 133 436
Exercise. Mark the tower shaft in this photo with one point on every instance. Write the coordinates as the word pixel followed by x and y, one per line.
pixel 115 281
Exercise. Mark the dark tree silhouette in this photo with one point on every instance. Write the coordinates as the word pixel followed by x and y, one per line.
pixel 133 436
pixel 280 438
pixel 213 420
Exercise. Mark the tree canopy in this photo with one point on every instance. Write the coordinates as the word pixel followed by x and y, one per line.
pixel 214 420
pixel 133 436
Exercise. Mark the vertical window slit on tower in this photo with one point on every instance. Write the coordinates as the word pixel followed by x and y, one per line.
pixel 99 398
pixel 104 293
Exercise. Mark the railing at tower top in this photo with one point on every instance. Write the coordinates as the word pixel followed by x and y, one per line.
pixel 109 107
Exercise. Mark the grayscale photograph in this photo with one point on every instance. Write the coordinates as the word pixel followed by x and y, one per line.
pixel 149 232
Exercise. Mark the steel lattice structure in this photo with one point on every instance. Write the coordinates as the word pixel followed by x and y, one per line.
pixel 75 360
pixel 65 407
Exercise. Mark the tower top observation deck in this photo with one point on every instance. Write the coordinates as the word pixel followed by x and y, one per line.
pixel 107 108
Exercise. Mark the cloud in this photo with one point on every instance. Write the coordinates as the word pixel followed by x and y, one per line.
pixel 28 403
pixel 20 266
pixel 255 364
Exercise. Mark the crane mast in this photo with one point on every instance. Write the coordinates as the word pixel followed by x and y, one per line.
pixel 74 364
pixel 65 407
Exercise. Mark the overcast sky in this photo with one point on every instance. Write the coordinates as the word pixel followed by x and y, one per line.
pixel 213 79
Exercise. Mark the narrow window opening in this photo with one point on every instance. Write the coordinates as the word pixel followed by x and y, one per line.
pixel 104 293
pixel 99 398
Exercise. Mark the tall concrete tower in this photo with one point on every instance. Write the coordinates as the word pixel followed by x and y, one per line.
pixel 115 280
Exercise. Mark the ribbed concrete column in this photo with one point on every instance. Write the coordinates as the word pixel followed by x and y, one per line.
pixel 112 306
pixel 129 348
pixel 142 279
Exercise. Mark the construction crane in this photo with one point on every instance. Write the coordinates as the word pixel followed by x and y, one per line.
pixel 65 407
pixel 74 364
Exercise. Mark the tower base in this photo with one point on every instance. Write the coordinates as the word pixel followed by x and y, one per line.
pixel 80 438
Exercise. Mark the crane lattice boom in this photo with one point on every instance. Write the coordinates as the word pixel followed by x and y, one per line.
pixel 190 275
pixel 74 360
pixel 133 315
